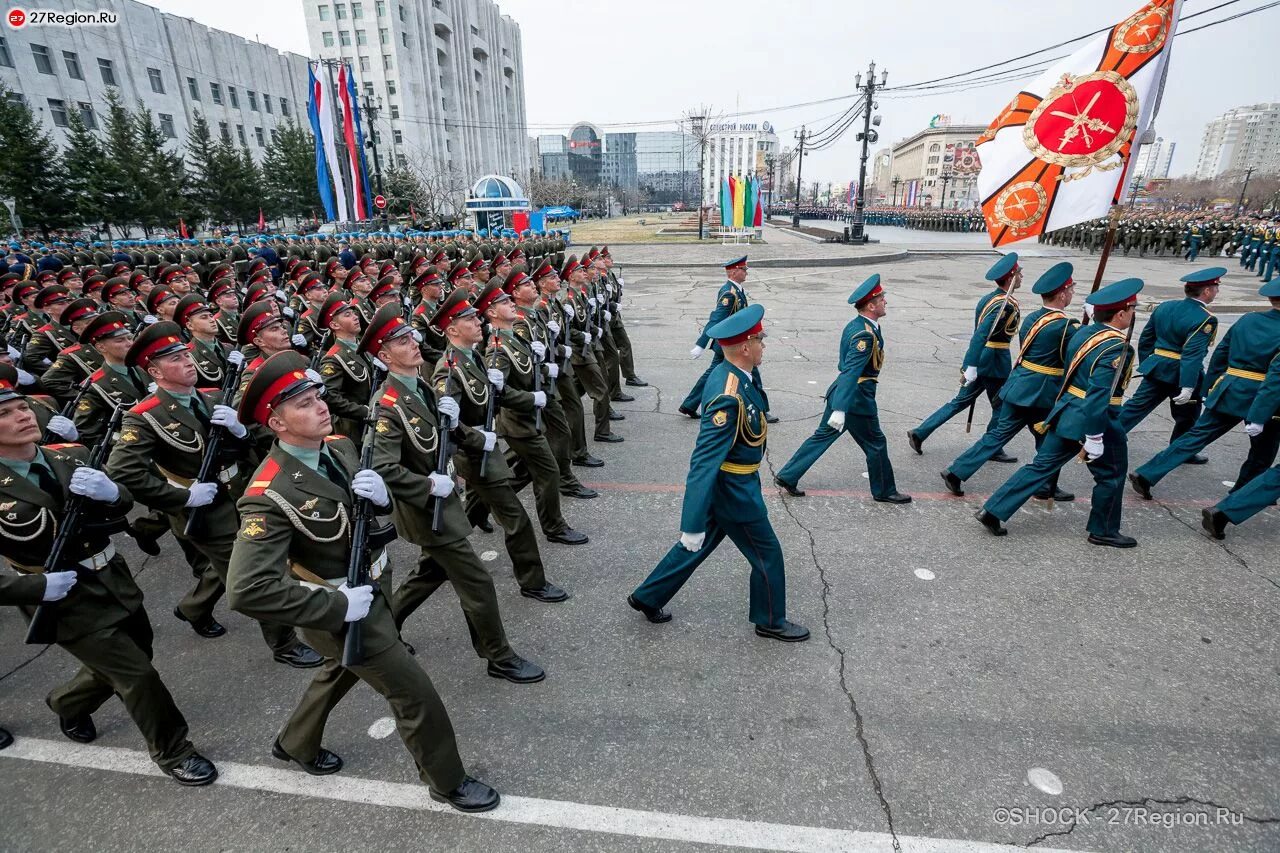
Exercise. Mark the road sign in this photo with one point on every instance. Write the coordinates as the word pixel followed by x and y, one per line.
pixel 379 201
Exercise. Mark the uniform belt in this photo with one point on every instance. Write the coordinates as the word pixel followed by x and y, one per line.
pixel 997 344
pixel 179 482
pixel 1040 368
pixel 862 379
pixel 1246 374
pixel 1076 392
pixel 739 468
pixel 311 580
pixel 94 563
pixel 1168 353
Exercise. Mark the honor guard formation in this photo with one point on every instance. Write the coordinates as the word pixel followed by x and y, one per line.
pixel 287 407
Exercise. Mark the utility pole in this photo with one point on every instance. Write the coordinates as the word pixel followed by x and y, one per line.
pixel 896 180
pixel 768 166
pixel 946 178
pixel 868 137
pixel 1133 191
pixel 1248 173
pixel 702 156
pixel 371 109
pixel 795 214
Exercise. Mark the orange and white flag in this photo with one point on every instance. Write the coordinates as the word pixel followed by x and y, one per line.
pixel 1058 152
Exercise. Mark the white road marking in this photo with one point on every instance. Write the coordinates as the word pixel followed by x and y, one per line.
pixel 489 556
pixel 581 817
pixel 382 727
pixel 925 574
pixel 1045 780
pixel 1230 484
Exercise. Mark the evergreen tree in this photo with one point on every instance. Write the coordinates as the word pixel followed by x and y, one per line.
pixel 402 189
pixel 86 168
pixel 289 173
pixel 31 170
pixel 160 174
pixel 123 167
pixel 198 195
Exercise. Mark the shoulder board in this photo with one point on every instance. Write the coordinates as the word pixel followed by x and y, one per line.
pixel 255 364
pixel 97 374
pixel 61 446
pixel 209 390
pixel 263 478
pixel 389 398
pixel 420 310
pixel 333 350
pixel 47 327
pixel 335 437
pixel 731 385
pixel 146 405
pixel 69 350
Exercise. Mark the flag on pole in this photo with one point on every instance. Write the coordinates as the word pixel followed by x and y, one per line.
pixel 739 201
pixel 726 204
pixel 413 214
pixel 323 182
pixel 262 221
pixel 1058 152
pixel 359 206
pixel 323 91
pixel 182 230
pixel 364 162
pixel 757 214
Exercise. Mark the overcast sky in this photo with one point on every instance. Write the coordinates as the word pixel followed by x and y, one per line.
pixel 613 61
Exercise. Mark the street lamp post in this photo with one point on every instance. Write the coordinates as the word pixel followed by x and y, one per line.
pixel 867 137
pixel 946 178
pixel 702 156
pixel 896 180
pixel 371 108
pixel 795 214
pixel 1248 173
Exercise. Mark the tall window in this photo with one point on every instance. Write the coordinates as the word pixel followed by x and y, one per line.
pixel 284 106
pixel 193 89
pixel 391 87
pixel 6 58
pixel 362 38
pixel 253 99
pixel 340 11
pixel 240 134
pixel 387 64
pixel 260 137
pixel 395 111
pixel 384 37
pixel 166 126
pixel 157 82
pixel 364 63
pixel 381 7
pixel 398 136
pixel 41 54
pixel 233 97
pixel 108 72
pixel 344 38
pixel 73 65
pixel 58 112
pixel 404 39
pixel 215 92
pixel 266 101
pixel 357 11
pixel 224 131
pixel 86 115
pixel 324 12
pixel 327 38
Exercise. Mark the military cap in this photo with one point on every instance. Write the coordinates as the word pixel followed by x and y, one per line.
pixel 477 264
pixel 544 269
pixel 189 305
pixel 427 278
pixel 1054 278
pixel 333 305
pixel 66 275
pixel 8 279
pixel 739 326
pixel 137 278
pixel 491 295
pixel 737 263
pixel 94 282
pixel 386 286
pixel 517 278
pixel 109 324
pixel 516 255
pixel 222 271
pixel 454 306
pixel 220 287
pixel 498 260
pixel 1001 268
pixel 1207 276
pixel 386 268
pixel 169 273
pixel 258 263
pixel 604 252
pixel 47 277
pixel 255 318
pixel 114 287
pixel 1271 290
pixel 865 291
pixel 310 281
pixel 570 264
pixel 280 378
pixel 79 309
pixel 459 270
pixel 157 296
pixel 258 290
pixel 120 267
pixel 1120 294
pixel 387 325
pixel 154 341
pixel 438 256
pixel 9 383
pixel 52 293
pixel 260 276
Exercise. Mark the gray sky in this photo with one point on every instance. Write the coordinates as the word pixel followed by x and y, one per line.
pixel 611 61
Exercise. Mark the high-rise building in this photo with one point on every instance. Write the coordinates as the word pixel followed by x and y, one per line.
pixel 450 74
pixel 172 66
pixel 740 150
pixel 1154 159
pixel 1239 139
pixel 659 166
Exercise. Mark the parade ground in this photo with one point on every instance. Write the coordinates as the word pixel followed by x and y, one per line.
pixel 959 692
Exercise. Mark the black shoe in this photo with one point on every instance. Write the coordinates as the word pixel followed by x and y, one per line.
pixel 1058 496
pixel 1141 486
pixel 916 442
pixel 1001 456
pixel 895 498
pixel 479 518
pixel 637 382
pixel 325 762
pixel 408 646
pixel 80 729
pixel 548 594
pixel 622 397
pixel 1214 523
pixel 5 738
pixel 1198 459
pixel 568 536
pixel 990 522
pixel 656 615
pixel 1118 540
pixel 517 670
pixel 208 627
pixel 470 796
pixel 616 416
pixel 147 543
pixel 953 483
pixel 580 492
pixel 609 438
pixel 589 461
pixel 794 491
pixel 771 419
pixel 300 656
pixel 194 771
pixel 787 632
pixel 689 412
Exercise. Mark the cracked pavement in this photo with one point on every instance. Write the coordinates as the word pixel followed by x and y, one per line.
pixel 1144 680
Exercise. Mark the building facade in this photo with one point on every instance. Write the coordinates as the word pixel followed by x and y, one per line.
pixel 1154 159
pixel 173 66
pixel 450 74
pixel 934 160
pixel 1239 139
pixel 659 166
pixel 739 150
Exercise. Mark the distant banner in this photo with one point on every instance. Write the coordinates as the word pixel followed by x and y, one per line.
pixel 963 158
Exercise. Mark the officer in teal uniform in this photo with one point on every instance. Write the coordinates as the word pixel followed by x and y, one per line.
pixel 1238 374
pixel 722 492
pixel 1032 388
pixel 1269 258
pixel 1193 238
pixel 1171 353
pixel 987 362
pixel 1086 413
pixel 851 401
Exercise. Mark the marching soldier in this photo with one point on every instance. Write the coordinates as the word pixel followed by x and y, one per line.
pixel 557 309
pixel 430 289
pixel 347 374
pixel 75 362
pixel 731 299
pixel 289 566
pixel 987 362
pixel 196 318
pixel 851 401
pixel 586 366
pixel 626 355
pixel 50 337
pixel 722 492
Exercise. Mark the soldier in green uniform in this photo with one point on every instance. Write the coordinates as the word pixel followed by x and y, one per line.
pixel 588 352
pixel 1086 414
pixel 347 374
pixel 100 617
pixel 74 363
pixel 1032 388
pixel 851 401
pixel 556 309
pixel 196 318
pixel 429 288
pixel 49 336
pixel 289 566
pixel 722 492
pixel 626 354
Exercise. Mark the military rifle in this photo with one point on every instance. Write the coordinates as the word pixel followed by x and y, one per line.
pixel 69 409
pixel 442 447
pixel 362 519
pixel 212 445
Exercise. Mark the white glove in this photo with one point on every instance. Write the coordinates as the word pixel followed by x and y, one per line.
pixel 554 327
pixel 287 313
pixel 314 376
pixel 608 316
pixel 359 600
pixel 692 541
pixel 235 358
pixel 622 282
pixel 568 309
pixel 568 350
pixel 201 494
pixel 448 407
pixel 377 363
pixel 15 353
pixel 367 483
pixel 58 584
pixel 836 421
pixel 496 379
pixel 280 296
pixel 1184 397
pixel 539 349
pixel 591 300
pixel 25 378
pixel 225 417
pixel 151 387
pixel 1253 430
pixel 553 370
pixel 94 485
pixel 539 399
pixel 150 318
pixel 1093 446
pixel 696 352
pixel 441 485
pixel 417 336
pixel 1088 310
pixel 970 375
pixel 63 427
pixel 298 340
pixel 490 439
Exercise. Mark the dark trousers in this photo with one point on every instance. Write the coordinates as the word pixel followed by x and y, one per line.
pixel 865 431
pixel 571 402
pixel 531 460
pixel 1009 420
pixel 522 545
pixel 964 398
pixel 1212 426
pixel 117 661
pixel 610 366
pixel 591 382
pixel 626 355
pixel 1150 394
pixel 693 400
pixel 457 563
pixel 559 439
pixel 1244 503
